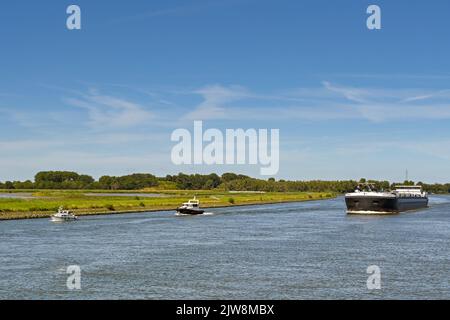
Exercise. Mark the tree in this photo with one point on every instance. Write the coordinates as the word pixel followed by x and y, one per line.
pixel 9 185
pixel 62 180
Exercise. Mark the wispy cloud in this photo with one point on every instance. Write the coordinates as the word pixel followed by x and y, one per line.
pixel 71 140
pixel 121 118
pixel 106 111
pixel 352 94
pixel 29 118
pixel 328 102
pixel 439 148
pixel 445 94
pixel 396 104
pixel 214 102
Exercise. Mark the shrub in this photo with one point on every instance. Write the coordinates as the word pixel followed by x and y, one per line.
pixel 37 209
pixel 231 200
pixel 110 207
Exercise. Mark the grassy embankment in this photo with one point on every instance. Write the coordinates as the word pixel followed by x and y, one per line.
pixel 46 202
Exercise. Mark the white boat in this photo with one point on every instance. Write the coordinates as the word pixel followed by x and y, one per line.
pixel 192 207
pixel 63 215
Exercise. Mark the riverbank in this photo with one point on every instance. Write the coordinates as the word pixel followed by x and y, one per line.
pixel 44 203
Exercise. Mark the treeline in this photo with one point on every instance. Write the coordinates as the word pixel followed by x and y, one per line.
pixel 72 180
pixel 227 181
pixel 239 182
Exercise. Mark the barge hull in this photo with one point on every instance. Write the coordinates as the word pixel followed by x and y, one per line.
pixel 383 205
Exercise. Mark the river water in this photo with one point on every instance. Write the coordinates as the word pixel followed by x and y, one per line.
pixel 309 250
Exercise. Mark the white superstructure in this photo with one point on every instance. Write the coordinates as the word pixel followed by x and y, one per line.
pixel 63 215
pixel 410 191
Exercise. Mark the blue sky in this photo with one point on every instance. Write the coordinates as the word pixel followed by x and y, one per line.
pixel 349 102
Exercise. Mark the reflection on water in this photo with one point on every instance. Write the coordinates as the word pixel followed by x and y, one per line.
pixel 19 195
pixel 286 251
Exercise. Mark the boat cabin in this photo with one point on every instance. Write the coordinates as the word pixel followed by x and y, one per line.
pixel 193 203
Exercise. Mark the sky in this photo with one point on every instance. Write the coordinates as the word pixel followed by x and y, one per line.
pixel 349 102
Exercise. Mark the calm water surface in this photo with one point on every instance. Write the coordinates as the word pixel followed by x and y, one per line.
pixel 19 195
pixel 287 251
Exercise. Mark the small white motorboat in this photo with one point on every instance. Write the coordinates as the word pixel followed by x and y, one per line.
pixel 192 207
pixel 63 215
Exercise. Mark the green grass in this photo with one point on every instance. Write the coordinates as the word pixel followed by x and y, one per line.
pixel 48 201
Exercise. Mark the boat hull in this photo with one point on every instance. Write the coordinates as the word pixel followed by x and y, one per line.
pixel 412 203
pixel 59 219
pixel 383 205
pixel 190 211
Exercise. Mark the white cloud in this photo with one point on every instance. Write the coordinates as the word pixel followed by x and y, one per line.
pixel 352 94
pixel 329 102
pixel 110 112
pixel 122 120
pixel 214 102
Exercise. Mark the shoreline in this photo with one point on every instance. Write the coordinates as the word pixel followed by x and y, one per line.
pixel 42 215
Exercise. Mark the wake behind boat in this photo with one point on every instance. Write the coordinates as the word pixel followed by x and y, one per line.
pixel 63 215
pixel 367 200
pixel 192 207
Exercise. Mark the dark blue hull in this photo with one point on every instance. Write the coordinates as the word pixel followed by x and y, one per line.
pixel 370 204
pixel 190 211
